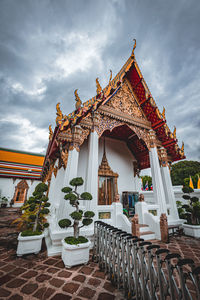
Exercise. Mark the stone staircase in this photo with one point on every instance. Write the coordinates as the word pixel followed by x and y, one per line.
pixel 145 232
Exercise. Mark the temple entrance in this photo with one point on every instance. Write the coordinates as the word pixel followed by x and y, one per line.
pixel 106 190
pixel 107 182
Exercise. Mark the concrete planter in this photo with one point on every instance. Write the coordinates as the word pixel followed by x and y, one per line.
pixel 192 230
pixel 73 255
pixel 29 244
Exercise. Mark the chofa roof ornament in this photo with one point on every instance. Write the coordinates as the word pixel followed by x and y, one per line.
pixel 50 133
pixel 59 114
pixel 77 99
pixel 133 54
pixel 99 88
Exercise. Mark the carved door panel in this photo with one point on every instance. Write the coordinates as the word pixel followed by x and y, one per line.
pixel 106 190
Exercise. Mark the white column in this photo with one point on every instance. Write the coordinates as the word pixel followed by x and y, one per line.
pixel 92 172
pixel 169 193
pixel 52 185
pixel 70 172
pixel 158 189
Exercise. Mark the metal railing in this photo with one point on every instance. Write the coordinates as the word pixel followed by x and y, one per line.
pixel 143 270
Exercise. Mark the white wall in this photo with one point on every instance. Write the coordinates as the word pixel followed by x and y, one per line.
pixel 7 187
pixel 120 160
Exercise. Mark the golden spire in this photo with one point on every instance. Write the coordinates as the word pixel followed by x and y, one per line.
pixel 99 89
pixel 50 133
pixel 174 132
pixel 133 54
pixel 58 113
pixel 163 113
pixel 77 99
pixel 182 148
pixel 181 151
pixel 110 76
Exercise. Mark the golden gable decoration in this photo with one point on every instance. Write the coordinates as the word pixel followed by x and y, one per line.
pixel 124 101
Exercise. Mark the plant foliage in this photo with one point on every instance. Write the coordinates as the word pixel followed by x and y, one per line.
pixel 33 218
pixel 74 197
pixel 75 241
pixel 191 210
pixel 181 171
pixel 146 179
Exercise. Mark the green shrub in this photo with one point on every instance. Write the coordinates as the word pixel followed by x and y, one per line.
pixel 76 215
pixel 33 219
pixel 70 196
pixel 74 197
pixel 87 222
pixel 86 196
pixel 76 181
pixel 191 210
pixel 64 223
pixel 66 190
pixel 75 241
pixel 89 214
pixel 30 233
pixel 44 211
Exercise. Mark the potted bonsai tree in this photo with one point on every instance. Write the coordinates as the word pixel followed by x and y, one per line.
pixel 33 221
pixel 75 249
pixel 191 212
pixel 4 202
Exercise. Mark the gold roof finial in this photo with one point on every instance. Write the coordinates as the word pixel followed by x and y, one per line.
pixel 182 148
pixel 50 133
pixel 58 113
pixel 133 54
pixel 181 151
pixel 110 76
pixel 174 132
pixel 99 88
pixel 77 99
pixel 163 113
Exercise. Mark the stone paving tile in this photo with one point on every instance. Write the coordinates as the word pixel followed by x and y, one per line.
pixel 64 274
pixel 33 277
pixel 71 287
pixel 56 282
pixel 86 270
pixel 60 296
pixel 86 293
pixel 4 293
pixel 29 288
pixel 79 278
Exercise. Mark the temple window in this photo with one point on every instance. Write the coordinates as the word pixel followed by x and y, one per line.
pixel 21 191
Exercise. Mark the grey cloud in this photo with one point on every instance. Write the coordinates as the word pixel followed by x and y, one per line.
pixel 34 34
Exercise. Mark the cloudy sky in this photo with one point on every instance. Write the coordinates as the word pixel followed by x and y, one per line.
pixel 49 48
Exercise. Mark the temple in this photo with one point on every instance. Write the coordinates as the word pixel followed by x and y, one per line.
pixel 20 172
pixel 107 141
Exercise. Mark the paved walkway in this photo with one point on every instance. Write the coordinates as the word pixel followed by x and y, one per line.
pixel 40 277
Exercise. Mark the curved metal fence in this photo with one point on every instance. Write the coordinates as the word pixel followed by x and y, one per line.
pixel 142 269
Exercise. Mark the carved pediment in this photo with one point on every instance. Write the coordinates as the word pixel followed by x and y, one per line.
pixel 22 185
pixel 125 101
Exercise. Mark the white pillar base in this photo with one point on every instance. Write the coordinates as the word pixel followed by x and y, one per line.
pixel 158 189
pixel 169 193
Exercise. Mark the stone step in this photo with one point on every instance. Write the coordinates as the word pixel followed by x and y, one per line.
pixel 148 235
pixel 144 228
pixel 146 232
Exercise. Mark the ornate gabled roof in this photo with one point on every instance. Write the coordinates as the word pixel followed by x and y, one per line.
pixel 146 103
